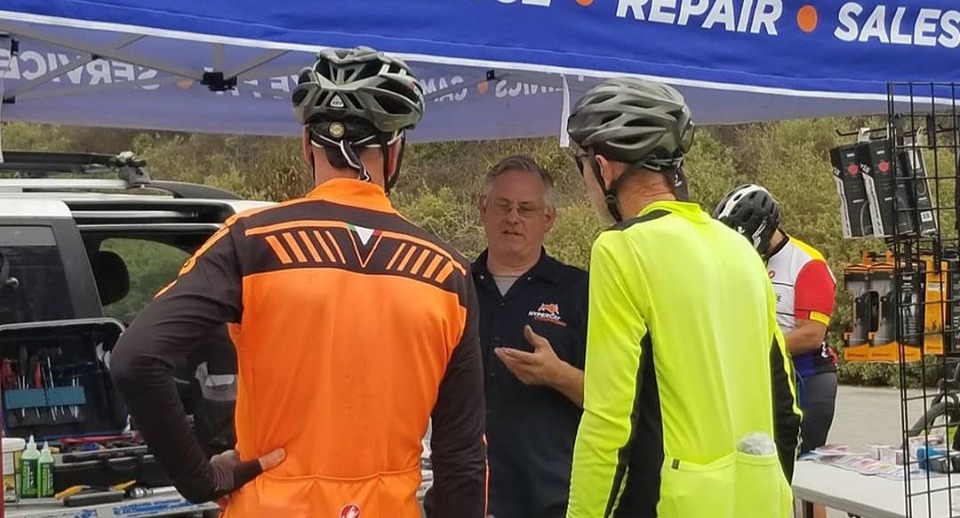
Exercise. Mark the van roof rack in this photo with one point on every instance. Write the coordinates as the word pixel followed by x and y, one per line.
pixel 30 171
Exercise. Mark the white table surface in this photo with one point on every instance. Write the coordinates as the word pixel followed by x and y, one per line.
pixel 873 496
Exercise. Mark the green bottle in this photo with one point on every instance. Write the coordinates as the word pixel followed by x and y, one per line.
pixel 28 475
pixel 45 478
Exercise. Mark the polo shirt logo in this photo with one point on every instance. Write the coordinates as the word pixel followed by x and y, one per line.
pixel 548 313
pixel 553 309
pixel 350 511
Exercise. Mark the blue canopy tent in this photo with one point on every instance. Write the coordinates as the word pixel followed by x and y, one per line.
pixel 492 68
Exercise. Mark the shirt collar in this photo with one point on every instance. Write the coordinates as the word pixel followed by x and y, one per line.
pixel 686 209
pixel 352 192
pixel 546 267
pixel 779 248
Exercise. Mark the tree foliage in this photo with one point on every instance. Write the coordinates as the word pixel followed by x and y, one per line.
pixel 440 186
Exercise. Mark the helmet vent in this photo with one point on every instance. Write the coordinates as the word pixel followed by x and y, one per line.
pixel 298 96
pixel 359 85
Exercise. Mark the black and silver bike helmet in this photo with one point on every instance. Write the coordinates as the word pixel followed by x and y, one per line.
pixel 753 212
pixel 643 124
pixel 357 98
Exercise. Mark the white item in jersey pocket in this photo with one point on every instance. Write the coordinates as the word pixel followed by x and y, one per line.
pixel 736 485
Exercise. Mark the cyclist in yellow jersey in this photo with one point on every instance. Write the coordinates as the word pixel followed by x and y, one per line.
pixel 805 289
pixel 689 404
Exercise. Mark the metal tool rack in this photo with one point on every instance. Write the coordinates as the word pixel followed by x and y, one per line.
pixel 926 296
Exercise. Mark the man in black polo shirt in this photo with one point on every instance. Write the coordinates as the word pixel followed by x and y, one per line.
pixel 533 313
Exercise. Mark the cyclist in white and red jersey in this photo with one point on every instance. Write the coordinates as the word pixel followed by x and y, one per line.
pixel 805 289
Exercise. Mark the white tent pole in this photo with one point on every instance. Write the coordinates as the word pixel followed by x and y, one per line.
pixel 269 73
pixel 253 63
pixel 49 76
pixel 65 69
pixel 565 113
pixel 102 52
pixel 6 43
pixel 219 57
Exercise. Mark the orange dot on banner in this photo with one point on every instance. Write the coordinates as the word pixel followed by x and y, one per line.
pixel 807 18
pixel 185 84
pixel 483 87
pixel 584 3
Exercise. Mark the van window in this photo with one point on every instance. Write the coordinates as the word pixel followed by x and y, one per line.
pixel 143 266
pixel 39 289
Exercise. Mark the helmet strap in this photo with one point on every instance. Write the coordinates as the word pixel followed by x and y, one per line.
pixel 677 179
pixel 389 181
pixel 349 158
pixel 671 169
pixel 609 195
pixel 353 161
pixel 612 206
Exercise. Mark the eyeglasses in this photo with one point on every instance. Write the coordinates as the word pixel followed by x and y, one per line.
pixel 524 210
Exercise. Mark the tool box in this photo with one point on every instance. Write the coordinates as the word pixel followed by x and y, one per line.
pixel 107 467
pixel 56 387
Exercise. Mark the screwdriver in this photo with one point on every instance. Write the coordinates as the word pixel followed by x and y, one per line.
pixel 37 376
pixel 73 490
pixel 23 376
pixel 144 492
pixel 9 380
pixel 75 409
pixel 51 384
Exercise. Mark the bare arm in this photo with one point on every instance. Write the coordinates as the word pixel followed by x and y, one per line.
pixel 543 367
pixel 807 336
pixel 813 308
pixel 568 380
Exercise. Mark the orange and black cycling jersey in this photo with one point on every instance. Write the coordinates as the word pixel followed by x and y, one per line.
pixel 353 327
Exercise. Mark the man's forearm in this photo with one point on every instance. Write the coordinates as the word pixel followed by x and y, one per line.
pixel 803 340
pixel 151 396
pixel 568 380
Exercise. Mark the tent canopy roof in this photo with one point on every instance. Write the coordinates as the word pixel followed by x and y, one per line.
pixel 492 68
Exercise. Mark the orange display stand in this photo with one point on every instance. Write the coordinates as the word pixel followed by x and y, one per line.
pixel 870 347
pixel 889 353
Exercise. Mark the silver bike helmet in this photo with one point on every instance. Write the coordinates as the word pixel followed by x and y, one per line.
pixel 356 98
pixel 644 124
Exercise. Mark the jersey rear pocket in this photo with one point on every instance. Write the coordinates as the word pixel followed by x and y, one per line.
pixel 737 485
pixel 692 490
pixel 761 489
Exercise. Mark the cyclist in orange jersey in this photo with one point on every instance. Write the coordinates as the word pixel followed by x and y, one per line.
pixel 353 328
